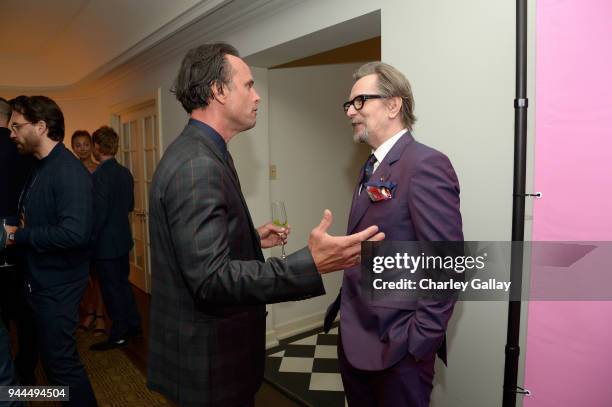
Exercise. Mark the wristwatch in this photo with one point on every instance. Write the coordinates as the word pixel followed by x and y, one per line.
pixel 11 237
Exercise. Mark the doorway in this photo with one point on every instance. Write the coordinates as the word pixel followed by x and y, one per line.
pixel 139 151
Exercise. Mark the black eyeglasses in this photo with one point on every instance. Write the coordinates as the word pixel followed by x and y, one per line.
pixel 359 100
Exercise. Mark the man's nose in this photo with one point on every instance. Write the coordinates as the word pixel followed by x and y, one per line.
pixel 351 112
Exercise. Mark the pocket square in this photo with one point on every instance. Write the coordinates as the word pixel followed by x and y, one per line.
pixel 380 191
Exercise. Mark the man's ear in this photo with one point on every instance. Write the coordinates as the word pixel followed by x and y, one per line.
pixel 218 91
pixel 395 106
pixel 41 126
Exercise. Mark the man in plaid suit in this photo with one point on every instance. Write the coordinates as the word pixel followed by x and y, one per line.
pixel 210 282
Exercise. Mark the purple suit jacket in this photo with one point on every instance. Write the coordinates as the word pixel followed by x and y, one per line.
pixel 376 335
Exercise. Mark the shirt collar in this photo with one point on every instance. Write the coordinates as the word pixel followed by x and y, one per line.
pixel 55 152
pixel 212 133
pixel 382 150
pixel 103 162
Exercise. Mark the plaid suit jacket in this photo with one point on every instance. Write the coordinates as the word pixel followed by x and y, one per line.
pixel 209 279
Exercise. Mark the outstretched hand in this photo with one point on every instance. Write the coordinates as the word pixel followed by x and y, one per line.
pixel 331 253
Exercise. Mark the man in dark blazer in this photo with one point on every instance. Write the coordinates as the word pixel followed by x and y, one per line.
pixel 112 239
pixel 209 277
pixel 56 217
pixel 387 348
pixel 14 172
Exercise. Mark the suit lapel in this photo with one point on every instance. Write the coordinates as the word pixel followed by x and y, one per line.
pixel 358 208
pixel 356 197
pixel 230 164
pixel 362 202
pixel 233 175
pixel 230 171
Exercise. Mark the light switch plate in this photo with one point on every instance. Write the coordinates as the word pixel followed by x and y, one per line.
pixel 272 172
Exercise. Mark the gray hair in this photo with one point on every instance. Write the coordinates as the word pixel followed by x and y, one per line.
pixel 391 83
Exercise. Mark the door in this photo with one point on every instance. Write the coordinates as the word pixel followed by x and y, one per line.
pixel 139 152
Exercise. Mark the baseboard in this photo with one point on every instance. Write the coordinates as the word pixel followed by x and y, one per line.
pixel 299 325
pixel 294 327
pixel 271 339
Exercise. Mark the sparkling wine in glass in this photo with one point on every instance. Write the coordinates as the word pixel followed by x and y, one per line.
pixel 5 263
pixel 279 218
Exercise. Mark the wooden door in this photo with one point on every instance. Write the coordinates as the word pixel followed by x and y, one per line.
pixel 139 152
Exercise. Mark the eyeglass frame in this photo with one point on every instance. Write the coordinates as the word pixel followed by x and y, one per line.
pixel 17 126
pixel 347 105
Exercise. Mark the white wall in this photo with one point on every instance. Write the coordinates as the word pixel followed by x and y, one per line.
pixel 317 165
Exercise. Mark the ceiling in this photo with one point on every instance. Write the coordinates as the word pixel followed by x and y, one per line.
pixel 331 38
pixel 60 42
pixel 73 44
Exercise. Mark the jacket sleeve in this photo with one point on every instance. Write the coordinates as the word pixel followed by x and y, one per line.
pixel 196 206
pixel 435 210
pixel 72 194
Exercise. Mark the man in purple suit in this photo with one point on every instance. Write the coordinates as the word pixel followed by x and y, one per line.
pixel 387 349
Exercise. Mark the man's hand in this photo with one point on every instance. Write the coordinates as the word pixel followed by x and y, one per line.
pixel 272 235
pixel 331 253
pixel 9 229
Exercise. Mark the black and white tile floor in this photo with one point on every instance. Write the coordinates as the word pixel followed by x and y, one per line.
pixel 306 369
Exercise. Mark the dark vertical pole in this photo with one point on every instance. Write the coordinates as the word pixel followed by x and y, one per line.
pixel 518 208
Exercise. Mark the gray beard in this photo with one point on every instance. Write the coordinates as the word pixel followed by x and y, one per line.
pixel 362 137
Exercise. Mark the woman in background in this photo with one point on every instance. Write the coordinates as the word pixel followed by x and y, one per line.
pixel 92 300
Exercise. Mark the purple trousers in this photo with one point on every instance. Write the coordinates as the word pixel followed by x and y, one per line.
pixel 408 383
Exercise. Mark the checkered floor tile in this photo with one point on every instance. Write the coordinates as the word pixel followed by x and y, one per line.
pixel 306 369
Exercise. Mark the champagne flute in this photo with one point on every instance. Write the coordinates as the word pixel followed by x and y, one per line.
pixel 6 263
pixel 279 218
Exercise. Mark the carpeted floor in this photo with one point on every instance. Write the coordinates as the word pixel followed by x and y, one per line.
pixel 115 379
pixel 118 376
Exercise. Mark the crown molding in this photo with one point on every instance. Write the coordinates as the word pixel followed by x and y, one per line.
pixel 207 21
pixel 191 16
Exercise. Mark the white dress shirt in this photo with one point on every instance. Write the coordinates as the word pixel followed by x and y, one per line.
pixel 381 152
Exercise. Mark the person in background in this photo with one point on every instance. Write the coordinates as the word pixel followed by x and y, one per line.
pixel 112 239
pixel 55 223
pixel 14 172
pixel 82 147
pixel 92 303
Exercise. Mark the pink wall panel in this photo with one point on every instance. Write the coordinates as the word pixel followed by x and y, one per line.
pixel 569 344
